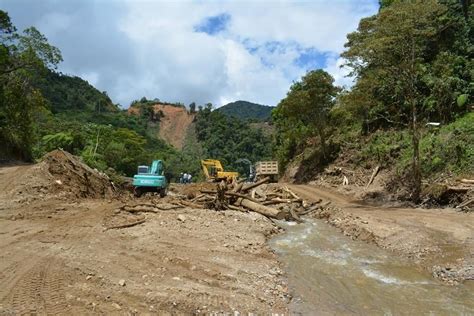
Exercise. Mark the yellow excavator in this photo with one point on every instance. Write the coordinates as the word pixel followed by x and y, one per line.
pixel 213 171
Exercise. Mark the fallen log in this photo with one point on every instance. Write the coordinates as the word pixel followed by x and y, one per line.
pixel 271 202
pixel 236 208
pixel 279 200
pixel 238 187
pixel 256 184
pixel 190 204
pixel 466 203
pixel 467 181
pixel 232 194
pixel 241 196
pixel 140 209
pixel 262 209
pixel 309 210
pixel 457 189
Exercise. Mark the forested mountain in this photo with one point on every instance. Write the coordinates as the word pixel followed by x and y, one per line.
pixel 72 93
pixel 245 110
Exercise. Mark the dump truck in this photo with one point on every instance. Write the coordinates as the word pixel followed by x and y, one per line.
pixel 150 179
pixel 214 171
pixel 266 169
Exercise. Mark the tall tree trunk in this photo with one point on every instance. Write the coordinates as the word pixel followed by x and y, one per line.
pixel 322 138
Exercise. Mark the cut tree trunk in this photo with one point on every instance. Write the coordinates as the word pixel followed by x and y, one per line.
pixel 262 209
pixel 256 184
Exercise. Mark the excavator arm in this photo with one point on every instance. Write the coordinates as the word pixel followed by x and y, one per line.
pixel 218 172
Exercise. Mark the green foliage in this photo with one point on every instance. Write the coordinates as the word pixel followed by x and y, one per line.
pixel 229 139
pixel 59 140
pixel 449 149
pixel 66 93
pixel 383 147
pixel 412 53
pixel 247 111
pixel 304 113
pixel 22 56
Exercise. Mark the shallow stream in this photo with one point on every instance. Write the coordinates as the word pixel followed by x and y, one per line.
pixel 331 274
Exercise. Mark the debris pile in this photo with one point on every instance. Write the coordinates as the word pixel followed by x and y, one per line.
pixel 60 175
pixel 73 175
pixel 273 202
pixel 459 194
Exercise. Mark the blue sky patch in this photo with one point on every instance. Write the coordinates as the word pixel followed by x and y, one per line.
pixel 213 24
pixel 311 58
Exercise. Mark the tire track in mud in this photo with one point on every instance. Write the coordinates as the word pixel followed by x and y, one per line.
pixel 35 281
pixel 39 289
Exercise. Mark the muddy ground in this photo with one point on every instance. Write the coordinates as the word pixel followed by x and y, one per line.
pixel 60 258
pixel 62 251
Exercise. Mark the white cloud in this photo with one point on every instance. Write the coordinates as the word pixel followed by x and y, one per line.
pixel 335 66
pixel 151 48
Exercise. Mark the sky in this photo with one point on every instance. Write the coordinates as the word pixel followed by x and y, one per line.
pixel 195 51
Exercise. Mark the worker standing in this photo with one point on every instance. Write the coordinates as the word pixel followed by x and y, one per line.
pixel 189 177
pixel 185 177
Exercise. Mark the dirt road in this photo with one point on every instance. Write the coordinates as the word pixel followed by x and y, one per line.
pixel 57 256
pixel 441 240
pixel 60 252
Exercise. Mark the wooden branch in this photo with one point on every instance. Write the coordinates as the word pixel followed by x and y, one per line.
pixel 374 174
pixel 238 187
pixel 256 184
pixel 141 221
pixel 309 210
pixel 241 196
pixel 190 204
pixel 272 202
pixel 293 194
pixel 466 203
pixel 457 189
pixel 467 181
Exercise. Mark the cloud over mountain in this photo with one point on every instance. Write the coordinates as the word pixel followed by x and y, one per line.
pixel 202 51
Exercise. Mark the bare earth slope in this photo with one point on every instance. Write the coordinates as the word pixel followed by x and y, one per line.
pixel 174 124
pixel 441 240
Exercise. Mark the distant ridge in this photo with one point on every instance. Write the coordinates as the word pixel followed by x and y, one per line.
pixel 245 110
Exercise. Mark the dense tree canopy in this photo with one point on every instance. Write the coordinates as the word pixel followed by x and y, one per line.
pixel 230 139
pixel 22 56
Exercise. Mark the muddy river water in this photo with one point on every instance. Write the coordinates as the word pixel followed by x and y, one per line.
pixel 331 274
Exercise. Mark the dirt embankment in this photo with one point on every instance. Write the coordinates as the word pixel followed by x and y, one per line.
pixel 76 252
pixel 59 175
pixel 439 240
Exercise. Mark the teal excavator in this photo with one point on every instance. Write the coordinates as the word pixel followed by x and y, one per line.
pixel 150 179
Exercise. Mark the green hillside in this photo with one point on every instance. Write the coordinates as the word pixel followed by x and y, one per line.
pixel 72 93
pixel 245 110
